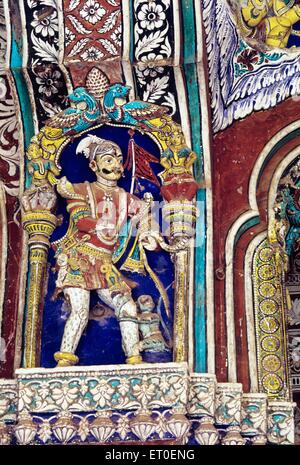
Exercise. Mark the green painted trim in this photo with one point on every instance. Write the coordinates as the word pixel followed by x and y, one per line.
pixel 24 100
pixel 290 136
pixel 200 314
pixel 245 226
pixel 132 23
pixel 189 31
pixel 200 340
pixel 191 76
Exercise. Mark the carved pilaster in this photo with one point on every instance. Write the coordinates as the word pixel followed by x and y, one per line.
pixel 281 428
pixel 254 414
pixel 39 225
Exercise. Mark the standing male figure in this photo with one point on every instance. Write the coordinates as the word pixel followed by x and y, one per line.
pixel 98 211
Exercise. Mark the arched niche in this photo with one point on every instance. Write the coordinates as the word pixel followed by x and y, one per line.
pixel 103 325
pixel 166 173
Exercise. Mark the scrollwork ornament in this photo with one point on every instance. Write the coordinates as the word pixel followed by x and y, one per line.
pixel 228 403
pixel 281 422
pixel 254 414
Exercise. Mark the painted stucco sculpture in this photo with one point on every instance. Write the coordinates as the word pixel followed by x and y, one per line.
pixel 195 104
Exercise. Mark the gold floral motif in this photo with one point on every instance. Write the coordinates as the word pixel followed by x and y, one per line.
pixel 273 376
pixel 271 363
pixel 269 306
pixel 266 271
pixel 270 344
pixel 272 383
pixel 267 290
pixel 266 254
pixel 269 324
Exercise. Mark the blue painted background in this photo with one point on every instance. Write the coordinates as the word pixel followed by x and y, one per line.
pixel 294 40
pixel 101 341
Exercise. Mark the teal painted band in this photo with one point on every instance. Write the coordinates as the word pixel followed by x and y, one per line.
pixel 200 339
pixel 24 100
pixel 191 77
pixel 132 23
pixel 248 225
pixel 189 31
pixel 200 317
pixel 287 138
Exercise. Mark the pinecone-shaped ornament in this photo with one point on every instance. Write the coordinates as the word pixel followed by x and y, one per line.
pixel 97 83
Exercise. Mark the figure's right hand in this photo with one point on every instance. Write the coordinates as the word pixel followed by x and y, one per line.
pixel 65 189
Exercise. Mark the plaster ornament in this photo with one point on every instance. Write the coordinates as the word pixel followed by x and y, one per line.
pixel 233 437
pixel 83 113
pixel 149 326
pixel 134 113
pixel 228 403
pixel 260 440
pixel 25 430
pixel 281 428
pixel 64 428
pixel 102 427
pixel 178 425
pixel 206 434
pixel 254 414
pixel 269 21
pixel 5 437
pixel 202 395
pixel 143 425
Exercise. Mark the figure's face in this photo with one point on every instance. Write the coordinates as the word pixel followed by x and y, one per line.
pixel 177 138
pixel 146 303
pixel 33 151
pixel 108 166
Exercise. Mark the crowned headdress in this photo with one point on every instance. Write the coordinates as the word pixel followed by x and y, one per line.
pixel 92 145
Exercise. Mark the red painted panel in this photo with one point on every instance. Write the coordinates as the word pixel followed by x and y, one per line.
pixel 235 152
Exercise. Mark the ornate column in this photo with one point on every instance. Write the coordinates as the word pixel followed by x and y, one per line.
pixel 254 417
pixel 39 224
pixel 281 428
pixel 180 213
pixel 180 216
pixel 39 221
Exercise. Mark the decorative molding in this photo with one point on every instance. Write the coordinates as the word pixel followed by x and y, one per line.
pixel 40 32
pixel 93 30
pixel 154 52
pixel 8 400
pixel 9 136
pixel 103 388
pixel 254 414
pixel 270 322
pixel 228 404
pixel 281 423
pixel 195 417
pixel 249 307
pixel 202 395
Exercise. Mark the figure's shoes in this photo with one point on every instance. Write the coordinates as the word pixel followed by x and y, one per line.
pixel 134 359
pixel 66 359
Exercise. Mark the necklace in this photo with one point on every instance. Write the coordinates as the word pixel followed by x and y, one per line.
pixel 106 185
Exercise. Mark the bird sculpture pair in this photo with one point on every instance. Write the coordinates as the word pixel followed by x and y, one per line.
pixel 86 110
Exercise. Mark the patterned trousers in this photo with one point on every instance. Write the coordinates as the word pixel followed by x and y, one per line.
pixel 125 310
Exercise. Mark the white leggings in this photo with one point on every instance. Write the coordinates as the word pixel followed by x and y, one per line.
pixel 125 309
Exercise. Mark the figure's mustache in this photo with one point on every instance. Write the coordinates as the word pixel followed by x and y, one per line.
pixel 113 170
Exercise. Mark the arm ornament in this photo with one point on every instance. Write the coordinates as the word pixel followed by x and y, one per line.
pixel 66 190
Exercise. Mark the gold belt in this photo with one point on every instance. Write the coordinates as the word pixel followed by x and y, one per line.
pixel 95 252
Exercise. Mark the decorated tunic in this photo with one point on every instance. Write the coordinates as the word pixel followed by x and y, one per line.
pixel 84 255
